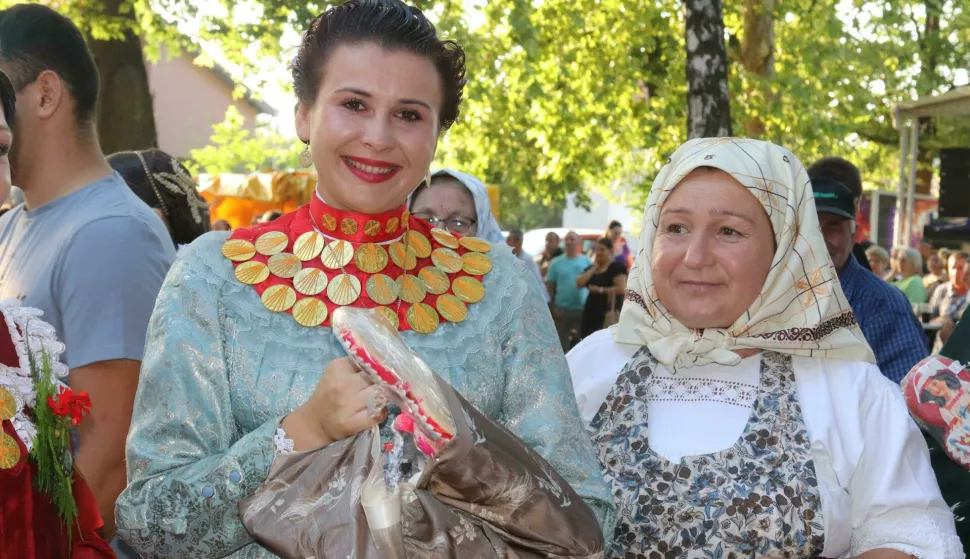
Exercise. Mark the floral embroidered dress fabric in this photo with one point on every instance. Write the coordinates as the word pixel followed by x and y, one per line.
pixel 801 309
pixel 758 498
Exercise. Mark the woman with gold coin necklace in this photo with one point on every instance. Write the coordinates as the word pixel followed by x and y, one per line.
pixel 242 364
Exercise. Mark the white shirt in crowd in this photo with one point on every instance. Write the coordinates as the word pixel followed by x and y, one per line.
pixel 876 484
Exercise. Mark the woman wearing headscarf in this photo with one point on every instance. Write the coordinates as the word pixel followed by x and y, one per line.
pixel 457 202
pixel 163 183
pixel 736 407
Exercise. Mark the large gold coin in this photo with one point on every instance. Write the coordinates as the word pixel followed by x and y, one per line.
pixel 475 244
pixel 476 263
pixel 272 242
pixel 9 452
pixel 417 241
pixel 348 226
pixel 391 317
pixel 310 312
pixel 252 272
pixel 328 222
pixel 382 290
pixel 308 245
pixel 371 258
pixel 279 298
pixel 284 265
pixel 372 228
pixel 403 256
pixel 391 226
pixel 343 289
pixel 310 281
pixel 451 308
pixel 8 405
pixel 411 289
pixel 337 254
pixel 444 238
pixel 422 318
pixel 447 260
pixel 238 250
pixel 468 289
pixel 434 279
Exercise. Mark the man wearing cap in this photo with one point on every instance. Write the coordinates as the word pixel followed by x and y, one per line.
pixel 884 314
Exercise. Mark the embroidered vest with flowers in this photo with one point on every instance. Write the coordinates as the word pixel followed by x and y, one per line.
pixel 316 259
pixel 46 508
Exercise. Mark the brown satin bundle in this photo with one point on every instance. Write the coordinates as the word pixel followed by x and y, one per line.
pixel 484 495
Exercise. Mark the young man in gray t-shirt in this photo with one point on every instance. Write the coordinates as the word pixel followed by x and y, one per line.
pixel 82 247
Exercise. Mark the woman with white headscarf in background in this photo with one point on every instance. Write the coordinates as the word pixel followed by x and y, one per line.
pixel 457 202
pixel 736 407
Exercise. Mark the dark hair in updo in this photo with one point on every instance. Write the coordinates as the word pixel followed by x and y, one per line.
pixel 606 242
pixel 393 25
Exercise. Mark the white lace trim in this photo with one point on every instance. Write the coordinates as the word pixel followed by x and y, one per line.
pixel 28 330
pixel 922 533
pixel 693 389
pixel 284 445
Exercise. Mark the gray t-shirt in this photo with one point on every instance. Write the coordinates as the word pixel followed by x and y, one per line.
pixel 93 261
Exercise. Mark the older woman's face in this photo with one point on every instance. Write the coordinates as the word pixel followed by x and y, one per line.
pixel 712 252
pixel 450 203
pixel 373 127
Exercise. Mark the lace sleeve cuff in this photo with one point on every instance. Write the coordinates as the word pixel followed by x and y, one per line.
pixel 922 533
pixel 284 445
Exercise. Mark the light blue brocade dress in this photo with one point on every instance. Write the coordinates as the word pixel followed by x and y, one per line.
pixel 221 371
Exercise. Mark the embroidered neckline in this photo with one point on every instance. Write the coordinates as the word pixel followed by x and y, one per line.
pixel 415 274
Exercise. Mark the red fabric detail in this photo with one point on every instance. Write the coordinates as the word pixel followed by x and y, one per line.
pixel 298 222
pixel 8 352
pixel 319 208
pixel 16 505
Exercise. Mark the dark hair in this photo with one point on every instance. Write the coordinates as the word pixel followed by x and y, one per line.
pixel 606 241
pixel 8 99
pixel 951 382
pixel 393 25
pixel 516 234
pixel 35 38
pixel 162 182
pixel 838 169
pixel 271 215
pixel 614 224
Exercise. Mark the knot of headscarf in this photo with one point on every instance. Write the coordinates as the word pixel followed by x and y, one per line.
pixel 801 309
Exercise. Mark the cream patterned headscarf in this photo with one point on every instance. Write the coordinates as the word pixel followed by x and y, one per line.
pixel 801 309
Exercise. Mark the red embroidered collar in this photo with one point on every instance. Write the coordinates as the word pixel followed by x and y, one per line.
pixel 315 259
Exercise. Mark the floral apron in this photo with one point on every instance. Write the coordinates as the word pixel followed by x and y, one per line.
pixel 757 498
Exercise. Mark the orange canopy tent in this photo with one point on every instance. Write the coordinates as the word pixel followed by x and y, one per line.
pixel 240 198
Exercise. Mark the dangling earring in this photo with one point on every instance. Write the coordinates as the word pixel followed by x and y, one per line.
pixel 305 158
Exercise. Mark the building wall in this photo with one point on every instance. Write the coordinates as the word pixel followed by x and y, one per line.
pixel 189 100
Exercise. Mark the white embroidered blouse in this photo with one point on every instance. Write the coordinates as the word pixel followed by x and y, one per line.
pixel 877 487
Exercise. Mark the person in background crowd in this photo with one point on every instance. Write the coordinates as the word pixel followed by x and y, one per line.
pixel 221 225
pixel 568 299
pixel 621 250
pixel 936 276
pixel 457 202
pixel 925 250
pixel 551 252
pixel 944 254
pixel 734 416
pixel 514 241
pixel 879 261
pixel 906 266
pixel 271 215
pixel 950 299
pixel 606 281
pixel 841 170
pixel 168 188
pixel 82 248
pixel 884 315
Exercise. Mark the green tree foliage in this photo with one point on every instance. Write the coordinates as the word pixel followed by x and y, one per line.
pixel 234 149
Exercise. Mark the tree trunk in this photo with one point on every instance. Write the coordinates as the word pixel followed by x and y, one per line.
pixel 757 56
pixel 126 118
pixel 928 63
pixel 708 104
